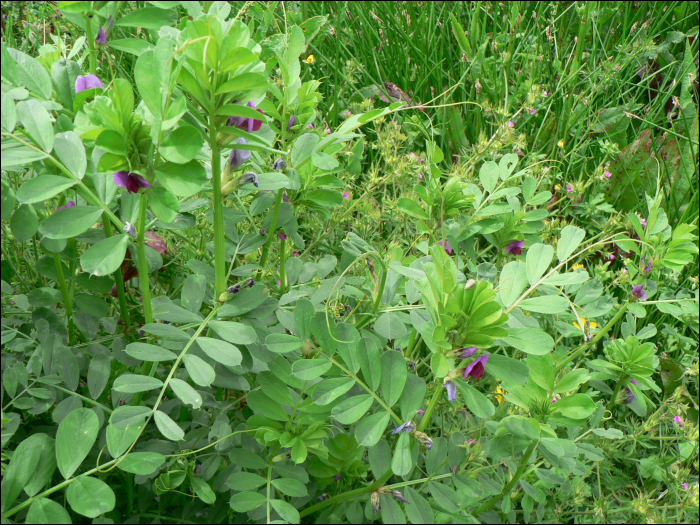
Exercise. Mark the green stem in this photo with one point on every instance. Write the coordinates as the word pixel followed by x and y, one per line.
pixel 219 239
pixel 119 278
pixel 66 299
pixel 273 226
pixel 283 274
pixel 143 260
pixel 431 407
pixel 380 291
pixel 91 45
pixel 516 478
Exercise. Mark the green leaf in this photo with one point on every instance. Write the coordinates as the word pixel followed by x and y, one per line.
pixel 24 222
pixel 236 333
pixel 303 314
pixel 42 188
pixel 46 466
pixel 283 343
pixel 37 122
pixel 148 18
pixel 522 427
pixel 44 510
pixel 394 372
pixel 290 487
pixel 75 436
pixel 530 340
pixel 577 406
pixel 133 383
pixel 247 501
pixel 70 222
pixel 147 77
pixel 418 510
pixel 538 258
pixel 183 180
pixel 371 429
pixel 303 147
pixel 565 279
pixel 199 370
pixel 90 496
pixel 168 427
pixel 243 82
pixel 32 74
pixel 475 401
pixel 512 282
pixel 541 371
pixel 22 466
pixel 412 396
pixel 134 46
pixel 559 447
pixel 351 409
pixel 166 310
pixel 8 200
pixel 146 352
pixel 390 326
pixel 308 369
pixel 401 460
pixel 182 145
pixel 9 112
pixel 142 463
pixel 324 161
pixel 439 365
pixel 220 351
pixel 164 204
pixel 571 237
pixel 286 511
pixel 412 208
pixel 545 304
pixel 186 393
pixel 106 256
pixel 203 490
pixel 193 292
pixel 70 150
pixel 488 175
pixel 329 390
pixel 572 380
pixel 245 481
pixel 390 510
pixel 507 369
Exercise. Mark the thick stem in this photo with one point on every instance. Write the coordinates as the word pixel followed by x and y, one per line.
pixel 66 299
pixel 431 407
pixel 143 260
pixel 91 45
pixel 507 489
pixel 273 226
pixel 219 238
pixel 119 278
pixel 283 260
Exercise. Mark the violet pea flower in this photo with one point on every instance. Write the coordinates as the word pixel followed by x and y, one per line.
pixel 238 157
pixel 291 122
pixel 466 353
pixel 678 420
pixel 476 367
pixel 87 82
pixel 249 177
pixel 448 248
pixel 639 292
pixel 515 247
pixel 68 204
pixel 629 396
pixel 409 426
pixel 282 236
pixel 132 182
pixel 451 390
pixel 279 164
pixel 101 37
pixel 246 123
pixel 129 228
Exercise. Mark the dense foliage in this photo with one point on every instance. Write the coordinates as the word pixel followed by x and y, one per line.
pixel 349 262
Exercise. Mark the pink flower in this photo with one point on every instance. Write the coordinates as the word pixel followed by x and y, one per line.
pixel 554 399
pixel 420 159
pixel 87 82
pixel 545 94
pixel 515 247
pixel 511 124
pixel 476 367
pixel 421 411
pixel 685 486
pixel 617 68
pixel 612 256
pixel 279 283
pixel 282 236
pixel 678 420
pixel 420 175
pixel 569 188
pixel 532 111
pixel 309 125
pixel 295 252
pixel 346 112
pixel 454 470
pixel 607 174
pixel 393 123
pixel 346 195
pixel 447 246
pixel 643 221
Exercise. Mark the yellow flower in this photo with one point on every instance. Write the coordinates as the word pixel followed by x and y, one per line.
pixel 561 143
pixel 310 59
pixel 557 187
pixel 592 324
pixel 577 266
pixel 499 394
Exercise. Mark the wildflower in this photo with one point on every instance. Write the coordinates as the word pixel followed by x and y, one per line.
pixel 346 195
pixel 561 143
pixel 411 364
pixel 629 396
pixel 554 399
pixel 451 390
pixel 515 247
pixel 577 266
pixel 643 221
pixel 129 228
pixel 282 236
pixel 338 476
pixel 398 496
pixel 678 421
pixel 87 82
pixel 466 353
pixel 101 37
pixel 68 204
pixel 249 177
pixel 476 367
pixel 685 486
pixel 633 381
pixel 569 188
pixel 130 181
pixel 617 68
pixel 421 411
pixel 639 292
pixel 233 290
pixel 420 175
pixel 532 111
pixel 347 112
pixel 607 174
pixel 447 246
pixel 246 123
pixel 545 94
pixel 424 439
pixel 409 426
pixel 511 124
pixel 291 122
pixel 420 159
pixel 454 469
pixel 198 468
pixel 324 496
pixel 279 283
pixel 591 324
pixel 647 269
pixel 393 123
pixel 249 283
pixel 238 157
pixel 310 59
pixel 309 125
pixel 295 252
pixel 83 383
pixel 279 164
pixel 499 395
pixel 612 256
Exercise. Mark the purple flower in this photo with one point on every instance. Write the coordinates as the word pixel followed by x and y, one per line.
pixel 291 122
pixel 554 399
pixel 346 195
pixel 617 68
pixel 447 246
pixel 399 497
pixel 101 37
pixel 515 247
pixel 233 290
pixel 420 159
pixel 420 175
pixel 451 390
pixel 569 188
pixel 633 381
pixel 238 157
pixel 421 411
pixel 511 124
pixel 295 252
pixel 346 112
pixel 629 397
pixel 607 174
pixel 532 112
pixel 643 221
pixel 198 468
pixel 68 204
pixel 130 181
pixel 83 383
pixel 248 178
pixel 466 353
pixel 685 486
pixel 476 367
pixel 639 292
pixel 648 267
pixel 612 256
pixel 338 476
pixel 678 420
pixel 129 228
pixel 454 469
pixel 309 125
pixel 279 164
pixel 393 123
pixel 246 123
pixel 545 94
pixel 279 283
pixel 282 236
pixel 87 82
pixel 409 426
